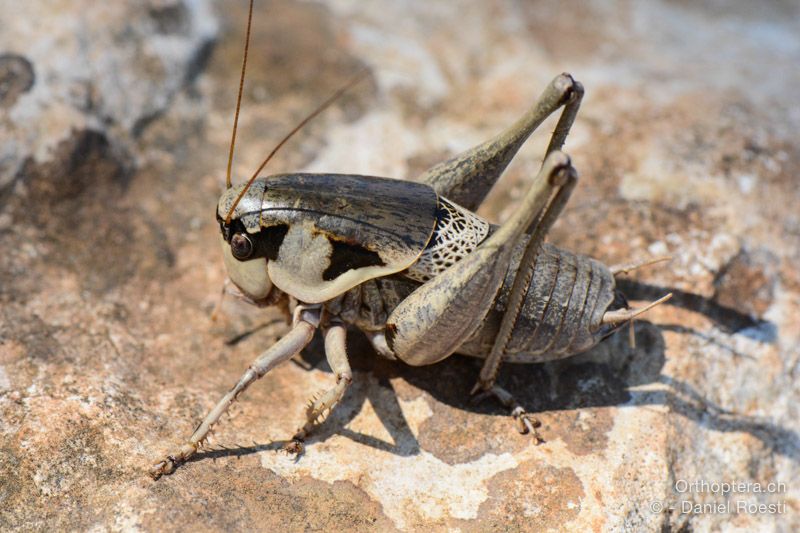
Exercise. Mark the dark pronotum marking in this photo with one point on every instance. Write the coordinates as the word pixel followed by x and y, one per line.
pixel 346 257
pixel 268 241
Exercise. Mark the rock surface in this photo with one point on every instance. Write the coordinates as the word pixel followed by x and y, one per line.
pixel 115 123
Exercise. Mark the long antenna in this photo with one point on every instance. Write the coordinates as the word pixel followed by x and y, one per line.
pixel 331 99
pixel 228 183
pixel 628 267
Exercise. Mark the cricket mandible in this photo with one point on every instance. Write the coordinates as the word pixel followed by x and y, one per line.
pixel 411 265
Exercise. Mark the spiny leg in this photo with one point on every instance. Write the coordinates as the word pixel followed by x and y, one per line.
pixel 433 321
pixel 322 405
pixel 526 422
pixel 294 341
pixel 467 178
pixel 486 381
pixel 522 280
pixel 538 230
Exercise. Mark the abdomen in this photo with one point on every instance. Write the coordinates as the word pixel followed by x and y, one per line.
pixel 564 304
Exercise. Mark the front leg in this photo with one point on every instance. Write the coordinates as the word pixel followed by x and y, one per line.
pixel 283 350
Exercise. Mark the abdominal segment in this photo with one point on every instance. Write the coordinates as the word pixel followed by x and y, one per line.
pixel 564 304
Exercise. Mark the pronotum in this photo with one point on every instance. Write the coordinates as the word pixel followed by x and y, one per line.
pixel 413 267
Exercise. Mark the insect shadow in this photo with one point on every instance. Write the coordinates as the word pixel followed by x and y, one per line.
pixel 726 318
pixel 608 375
pixel 611 374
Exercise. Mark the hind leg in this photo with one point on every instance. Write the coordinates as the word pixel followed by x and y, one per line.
pixel 526 422
pixel 486 385
pixel 467 178
pixel 434 320
pixel 538 230
pixel 519 288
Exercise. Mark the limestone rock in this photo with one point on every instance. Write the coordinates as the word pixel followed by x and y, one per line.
pixel 78 66
pixel 114 146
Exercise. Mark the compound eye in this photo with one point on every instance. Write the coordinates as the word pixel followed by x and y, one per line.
pixel 241 246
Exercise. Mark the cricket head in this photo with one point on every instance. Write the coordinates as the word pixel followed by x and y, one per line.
pixel 246 246
pixel 244 249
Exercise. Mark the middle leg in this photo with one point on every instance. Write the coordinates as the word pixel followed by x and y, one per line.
pixel 322 405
